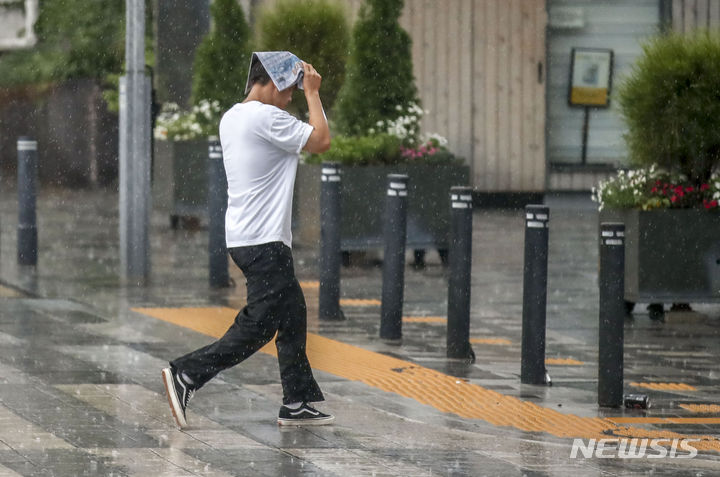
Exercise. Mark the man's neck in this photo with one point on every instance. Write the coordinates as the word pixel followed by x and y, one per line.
pixel 259 93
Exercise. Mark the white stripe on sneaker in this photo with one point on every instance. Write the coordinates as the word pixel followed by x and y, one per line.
pixel 300 411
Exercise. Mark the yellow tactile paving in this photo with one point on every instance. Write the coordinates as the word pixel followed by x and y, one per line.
pixel 491 341
pixel 665 386
pixel 310 285
pixel 7 292
pixel 702 408
pixel 424 319
pixel 564 362
pixel 427 386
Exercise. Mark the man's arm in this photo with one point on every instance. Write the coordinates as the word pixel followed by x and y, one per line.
pixel 319 140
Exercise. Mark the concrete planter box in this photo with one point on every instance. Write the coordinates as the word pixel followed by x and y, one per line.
pixel 180 180
pixel 363 201
pixel 671 256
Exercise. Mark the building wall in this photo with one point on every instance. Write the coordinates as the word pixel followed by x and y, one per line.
pixel 690 14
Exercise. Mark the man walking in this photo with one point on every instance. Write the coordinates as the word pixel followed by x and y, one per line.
pixel 261 143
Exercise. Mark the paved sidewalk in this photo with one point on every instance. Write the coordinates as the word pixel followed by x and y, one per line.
pixel 80 354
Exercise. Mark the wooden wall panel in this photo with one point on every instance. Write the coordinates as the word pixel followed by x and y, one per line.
pixel 478 160
pixel 515 83
pixel 464 111
pixel 714 14
pixel 539 79
pixel 688 15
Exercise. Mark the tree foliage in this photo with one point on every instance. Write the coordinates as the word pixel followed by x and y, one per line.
pixel 379 73
pixel 223 57
pixel 671 104
pixel 314 30
pixel 76 39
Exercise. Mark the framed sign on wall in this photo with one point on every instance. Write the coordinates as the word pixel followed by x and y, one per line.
pixel 590 77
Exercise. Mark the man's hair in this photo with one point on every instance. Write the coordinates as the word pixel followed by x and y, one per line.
pixel 258 74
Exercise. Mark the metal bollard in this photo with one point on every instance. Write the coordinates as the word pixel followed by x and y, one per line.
pixel 330 254
pixel 460 261
pixel 612 314
pixel 27 196
pixel 532 365
pixel 217 205
pixel 394 235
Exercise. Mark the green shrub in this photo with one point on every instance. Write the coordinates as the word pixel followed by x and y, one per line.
pixel 361 150
pixel 76 39
pixel 671 104
pixel 314 30
pixel 379 72
pixel 223 57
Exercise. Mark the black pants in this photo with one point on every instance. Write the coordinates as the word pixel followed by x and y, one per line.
pixel 275 303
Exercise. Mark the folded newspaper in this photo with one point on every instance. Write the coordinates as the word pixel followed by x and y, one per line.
pixel 284 68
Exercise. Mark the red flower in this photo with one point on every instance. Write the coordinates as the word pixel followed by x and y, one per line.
pixel 704 187
pixel 673 199
pixel 689 189
pixel 654 190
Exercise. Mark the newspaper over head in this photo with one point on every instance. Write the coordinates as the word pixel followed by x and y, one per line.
pixel 284 68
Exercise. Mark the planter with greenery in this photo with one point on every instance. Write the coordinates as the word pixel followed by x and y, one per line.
pixel 181 161
pixel 669 201
pixel 181 146
pixel 366 161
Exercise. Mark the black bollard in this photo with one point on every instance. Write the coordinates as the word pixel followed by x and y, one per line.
pixel 27 196
pixel 460 262
pixel 394 235
pixel 330 254
pixel 217 205
pixel 612 314
pixel 532 366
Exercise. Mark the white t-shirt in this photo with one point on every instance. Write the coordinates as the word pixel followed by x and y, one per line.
pixel 261 145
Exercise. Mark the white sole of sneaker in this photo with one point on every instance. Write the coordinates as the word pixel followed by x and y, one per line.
pixel 175 406
pixel 306 422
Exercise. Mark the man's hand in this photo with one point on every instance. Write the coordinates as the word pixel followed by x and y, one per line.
pixel 311 79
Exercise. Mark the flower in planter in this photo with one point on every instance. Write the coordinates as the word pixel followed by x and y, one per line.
pixel 394 141
pixel 653 188
pixel 433 150
pixel 405 127
pixel 201 121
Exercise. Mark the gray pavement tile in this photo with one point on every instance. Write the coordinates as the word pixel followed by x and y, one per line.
pixel 70 419
pixel 75 462
pixel 261 463
pixel 93 358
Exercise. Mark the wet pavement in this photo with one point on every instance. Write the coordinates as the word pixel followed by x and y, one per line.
pixel 81 353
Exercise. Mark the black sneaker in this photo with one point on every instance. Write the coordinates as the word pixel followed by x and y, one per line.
pixel 303 416
pixel 178 394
